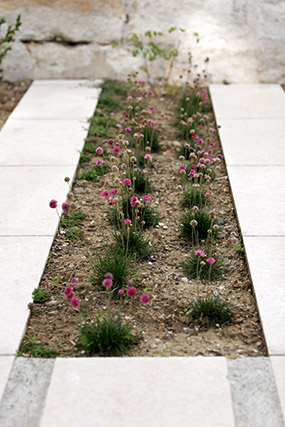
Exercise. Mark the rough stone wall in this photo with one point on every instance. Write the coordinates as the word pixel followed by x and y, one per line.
pixel 244 39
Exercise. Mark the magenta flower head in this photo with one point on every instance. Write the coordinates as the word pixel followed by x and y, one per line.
pixel 128 130
pixel 127 116
pixel 149 92
pixel 146 198
pixel 74 281
pixel 151 108
pixel 111 142
pixel 144 299
pixel 131 292
pixel 53 204
pixel 211 260
pixel 182 168
pixel 99 162
pixel 140 82
pixel 152 123
pixel 126 181
pixel 109 276
pixel 99 150
pixel 65 207
pixel 114 191
pixel 107 283
pixel 200 253
pixel 116 149
pixel 207 195
pixel 147 157
pixel 105 193
pixel 128 222
pixel 68 292
pixel 75 302
pixel 121 291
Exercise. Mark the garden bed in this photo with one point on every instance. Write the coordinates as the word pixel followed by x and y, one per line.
pixel 10 95
pixel 163 326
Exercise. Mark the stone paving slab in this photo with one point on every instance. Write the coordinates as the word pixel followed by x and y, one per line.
pixel 248 101
pixel 6 363
pixel 253 142
pixel 51 99
pixel 140 392
pixel 259 198
pixel 25 194
pixel 278 366
pixel 267 268
pixel 22 262
pixel 42 142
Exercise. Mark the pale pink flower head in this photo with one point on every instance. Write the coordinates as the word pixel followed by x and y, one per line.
pixel 121 291
pixel 128 130
pixel 131 292
pixel 147 157
pixel 146 198
pixel 207 195
pixel 128 222
pixel 105 193
pixel 74 281
pixel 211 260
pixel 65 206
pixel 107 283
pixel 126 181
pixel 53 204
pixel 109 276
pixel 68 292
pixel 75 302
pixel 144 299
pixel 99 162
pixel 152 123
pixel 200 253
pixel 111 142
pixel 116 149
pixel 140 82
pixel 99 150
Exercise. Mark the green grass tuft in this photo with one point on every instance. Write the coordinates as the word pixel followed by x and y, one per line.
pixel 40 296
pixel 37 350
pixel 210 310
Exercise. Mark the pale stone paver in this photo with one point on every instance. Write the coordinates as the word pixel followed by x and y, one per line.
pixel 253 142
pixel 278 366
pixel 128 392
pixel 248 101
pixel 6 363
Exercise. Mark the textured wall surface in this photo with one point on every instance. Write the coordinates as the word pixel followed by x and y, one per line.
pixel 244 39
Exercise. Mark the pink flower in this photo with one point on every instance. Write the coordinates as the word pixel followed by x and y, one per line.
pixel 200 126
pixel 109 276
pixel 116 149
pixel 111 201
pixel 152 123
pixel 182 168
pixel 99 150
pixel 204 95
pixel 211 260
pixel 200 141
pixel 147 157
pixel 200 253
pixel 210 151
pixel 144 299
pixel 126 181
pixel 105 193
pixel 53 204
pixel 194 135
pixel 131 292
pixel 107 283
pixel 151 108
pixel 74 281
pixel 68 292
pixel 194 165
pixel 134 198
pixel 114 191
pixel 207 195
pixel 127 116
pixel 149 92
pixel 99 162
pixel 204 102
pixel 75 302
pixel 140 82
pixel 65 207
pixel 128 130
pixel 212 144
pixel 121 291
pixel 146 198
pixel 128 222
pixel 111 142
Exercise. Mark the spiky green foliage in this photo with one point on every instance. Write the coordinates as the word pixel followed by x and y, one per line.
pixel 74 233
pixel 72 219
pixel 40 296
pixel 205 223
pixel 210 310
pixel 107 337
pixel 114 262
pixel 193 269
pixel 37 350
pixel 112 92
pixel 84 158
pixel 151 139
pixel 193 197
pixel 141 183
pixel 101 126
pixel 92 174
pixel 131 242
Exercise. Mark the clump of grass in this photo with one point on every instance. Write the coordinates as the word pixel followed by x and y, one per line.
pixel 74 233
pixel 89 148
pixel 83 158
pixel 130 242
pixel 37 350
pixel 113 262
pixel 107 337
pixel 100 126
pixel 93 173
pixel 147 214
pixel 151 139
pixel 72 219
pixel 204 223
pixel 40 296
pixel 193 197
pixel 141 182
pixel 210 310
pixel 112 91
pixel 193 269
